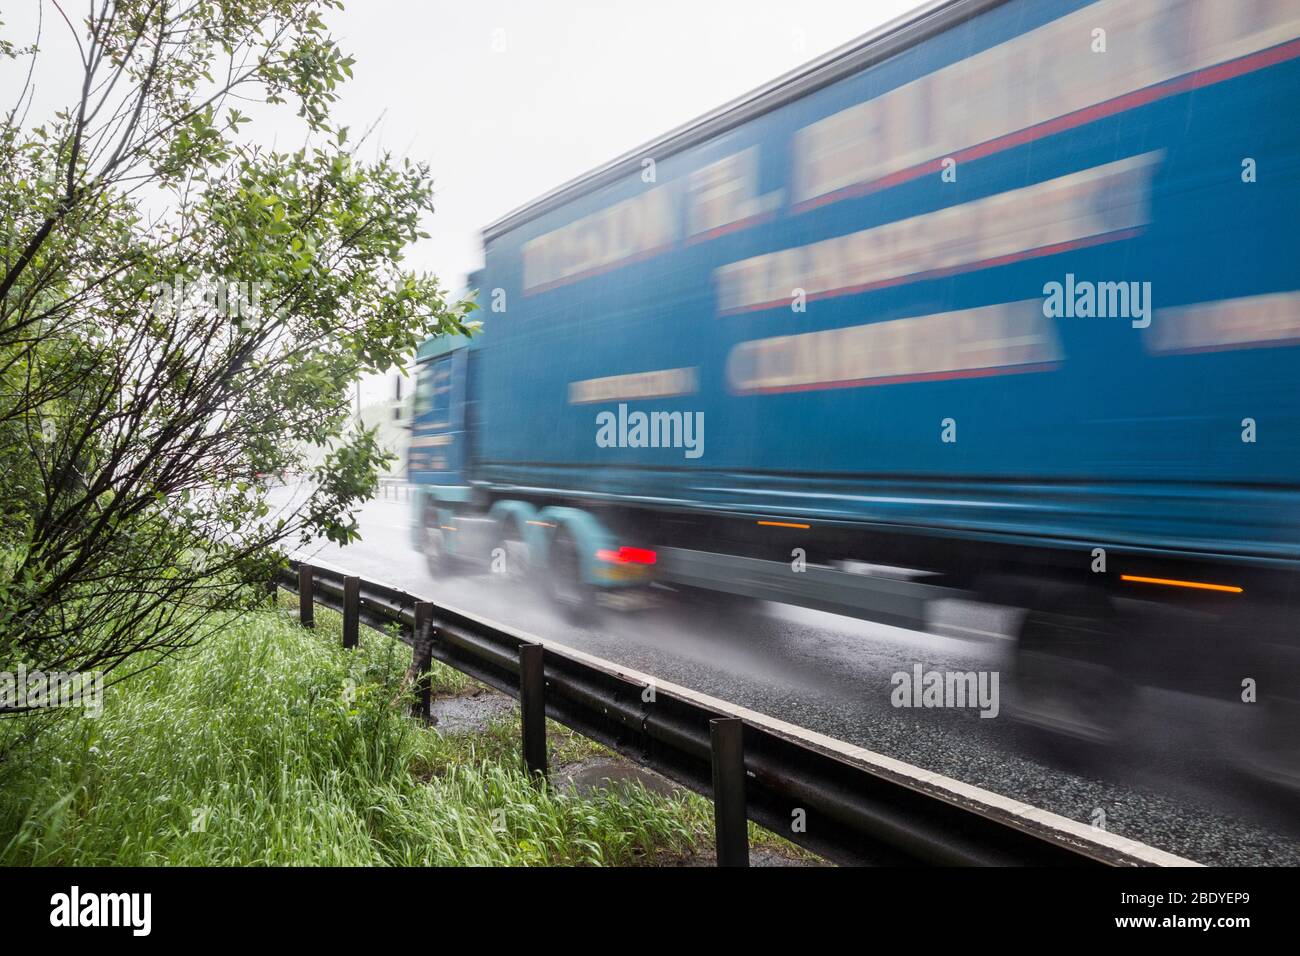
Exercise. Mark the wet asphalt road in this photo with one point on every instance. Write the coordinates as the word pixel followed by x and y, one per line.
pixel 1176 784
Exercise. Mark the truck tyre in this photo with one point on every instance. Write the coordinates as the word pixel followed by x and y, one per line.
pixel 1069 688
pixel 437 558
pixel 1270 741
pixel 572 595
pixel 1275 747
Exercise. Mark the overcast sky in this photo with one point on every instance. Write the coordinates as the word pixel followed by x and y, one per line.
pixel 505 99
pixel 577 83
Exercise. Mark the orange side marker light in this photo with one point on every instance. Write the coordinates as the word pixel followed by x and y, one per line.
pixel 1198 585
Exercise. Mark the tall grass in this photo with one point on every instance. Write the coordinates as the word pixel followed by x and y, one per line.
pixel 271 745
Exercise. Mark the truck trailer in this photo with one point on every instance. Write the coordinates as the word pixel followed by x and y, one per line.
pixel 1000 301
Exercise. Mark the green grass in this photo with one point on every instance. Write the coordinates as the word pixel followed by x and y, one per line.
pixel 289 750
pixel 271 745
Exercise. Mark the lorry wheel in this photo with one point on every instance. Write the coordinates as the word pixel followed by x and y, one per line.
pixel 1274 749
pixel 440 562
pixel 574 597
pixel 1070 691
pixel 1270 738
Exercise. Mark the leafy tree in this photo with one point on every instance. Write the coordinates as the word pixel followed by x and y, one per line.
pixel 182 313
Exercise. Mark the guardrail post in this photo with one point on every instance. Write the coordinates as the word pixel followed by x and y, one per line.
pixel 306 607
pixel 730 824
pixel 351 610
pixel 532 706
pixel 422 658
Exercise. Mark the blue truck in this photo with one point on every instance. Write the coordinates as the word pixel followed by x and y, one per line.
pixel 1005 294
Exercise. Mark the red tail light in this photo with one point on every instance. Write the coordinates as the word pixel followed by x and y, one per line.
pixel 627 556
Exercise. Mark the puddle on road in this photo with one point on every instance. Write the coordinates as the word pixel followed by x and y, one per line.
pixel 469 713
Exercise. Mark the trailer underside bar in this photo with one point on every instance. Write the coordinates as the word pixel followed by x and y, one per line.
pixel 888 600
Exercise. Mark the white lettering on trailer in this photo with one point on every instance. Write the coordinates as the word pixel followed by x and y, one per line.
pixel 1254 321
pixel 627 230
pixel 1101 204
pixel 662 383
pixel 994 339
pixel 981 104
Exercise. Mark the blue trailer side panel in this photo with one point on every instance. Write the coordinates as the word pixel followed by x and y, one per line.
pixel 929 381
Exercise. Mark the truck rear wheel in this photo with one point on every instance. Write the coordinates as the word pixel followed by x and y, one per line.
pixel 572 595
pixel 1069 686
pixel 1271 740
